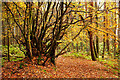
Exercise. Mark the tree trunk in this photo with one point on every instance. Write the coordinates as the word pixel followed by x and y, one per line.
pixel 3 34
pixel 29 44
pixel 104 35
pixel 107 44
pixel 115 34
pixel 52 54
pixel 103 46
pixel 77 47
pixel 91 37
pixel 8 45
pixel 91 46
pixel 95 49
pixel 16 32
pixel 97 45
pixel 107 40
pixel 86 32
pixel 119 42
pixel 97 39
pixel 8 35
pixel 29 30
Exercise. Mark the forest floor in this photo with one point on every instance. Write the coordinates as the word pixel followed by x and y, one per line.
pixel 66 67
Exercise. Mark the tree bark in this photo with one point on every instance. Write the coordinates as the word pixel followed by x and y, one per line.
pixel 119 41
pixel 107 40
pixel 52 54
pixel 77 47
pixel 97 39
pixel 107 43
pixel 3 34
pixel 95 49
pixel 8 35
pixel 91 46
pixel 115 34
pixel 86 32
pixel 91 37
pixel 29 30
pixel 104 35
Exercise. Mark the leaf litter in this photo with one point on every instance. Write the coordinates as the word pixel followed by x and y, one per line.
pixel 66 67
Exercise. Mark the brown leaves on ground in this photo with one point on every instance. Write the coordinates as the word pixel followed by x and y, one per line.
pixel 66 67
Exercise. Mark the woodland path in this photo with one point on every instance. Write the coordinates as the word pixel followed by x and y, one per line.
pixel 66 67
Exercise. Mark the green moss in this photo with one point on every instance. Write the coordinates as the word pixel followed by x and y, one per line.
pixel 44 71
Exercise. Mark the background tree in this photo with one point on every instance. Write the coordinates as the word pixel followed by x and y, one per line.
pixel 91 37
pixel 119 40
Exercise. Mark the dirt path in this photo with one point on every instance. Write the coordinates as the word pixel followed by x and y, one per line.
pixel 66 67
pixel 78 67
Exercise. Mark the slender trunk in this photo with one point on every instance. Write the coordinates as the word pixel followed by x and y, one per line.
pixel 11 37
pixel 107 40
pixel 86 32
pixel 8 36
pixel 103 46
pixel 3 34
pixel 16 32
pixel 77 47
pixel 107 44
pixel 29 30
pixel 104 35
pixel 95 49
pixel 115 43
pixel 8 45
pixel 97 45
pixel 114 48
pixel 97 39
pixel 115 34
pixel 29 43
pixel 119 42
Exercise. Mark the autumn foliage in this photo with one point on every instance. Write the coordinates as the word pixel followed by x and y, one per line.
pixel 45 30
